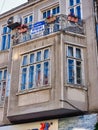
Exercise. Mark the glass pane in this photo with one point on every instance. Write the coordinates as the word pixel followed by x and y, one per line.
pixel 24 60
pixel 72 11
pixel 46 73
pixel 31 76
pixel 23 81
pixel 30 18
pixel 0 75
pixel 77 1
pixel 48 13
pixel 32 58
pixel 44 15
pixel 8 30
pixel 54 11
pixel 46 54
pixel 71 2
pixel 78 53
pixel 25 20
pixel 38 74
pixel 78 10
pixel 4 30
pixel 78 72
pixel 58 9
pixel 5 74
pixel 70 71
pixel 38 56
pixel 9 38
pixel 3 91
pixel 70 51
pixel 3 42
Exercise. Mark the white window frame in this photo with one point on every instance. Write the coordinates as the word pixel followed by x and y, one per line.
pixel 34 64
pixel 1 82
pixel 51 8
pixel 74 60
pixel 74 6
pixel 5 34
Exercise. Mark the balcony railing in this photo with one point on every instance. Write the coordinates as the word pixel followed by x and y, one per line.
pixel 50 25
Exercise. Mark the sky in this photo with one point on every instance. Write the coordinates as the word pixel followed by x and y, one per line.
pixel 6 5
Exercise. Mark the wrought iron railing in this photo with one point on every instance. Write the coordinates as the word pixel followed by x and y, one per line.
pixel 50 25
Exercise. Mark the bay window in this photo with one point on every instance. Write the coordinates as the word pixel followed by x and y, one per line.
pixel 35 69
pixel 74 65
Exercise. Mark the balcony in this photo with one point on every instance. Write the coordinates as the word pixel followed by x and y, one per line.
pixel 48 26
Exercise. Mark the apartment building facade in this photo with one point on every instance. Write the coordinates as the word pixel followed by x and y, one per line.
pixel 48 67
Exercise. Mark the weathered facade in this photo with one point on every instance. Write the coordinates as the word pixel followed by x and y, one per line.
pixel 48 67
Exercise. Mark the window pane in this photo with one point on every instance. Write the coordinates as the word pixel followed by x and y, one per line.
pixel 25 20
pixel 38 74
pixel 4 30
pixel 48 13
pixel 8 30
pixel 58 9
pixel 78 72
pixel 24 60
pixel 78 10
pixel 3 42
pixel 31 76
pixel 0 75
pixel 70 71
pixel 46 54
pixel 77 1
pixel 30 18
pixel 38 56
pixel 32 58
pixel 72 11
pixel 23 81
pixel 71 2
pixel 54 11
pixel 78 53
pixel 9 37
pixel 5 74
pixel 44 15
pixel 70 51
pixel 46 73
pixel 3 91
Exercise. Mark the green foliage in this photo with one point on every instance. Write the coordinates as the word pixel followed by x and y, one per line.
pixel 96 126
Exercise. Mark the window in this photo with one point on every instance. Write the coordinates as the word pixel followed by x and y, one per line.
pixel 35 69
pixel 28 20
pixel 74 65
pixel 6 37
pixel 75 7
pixel 3 78
pixel 52 11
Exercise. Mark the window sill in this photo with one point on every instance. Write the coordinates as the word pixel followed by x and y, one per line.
pixel 77 86
pixel 33 90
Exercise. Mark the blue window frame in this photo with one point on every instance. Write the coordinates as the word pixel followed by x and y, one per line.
pixel 46 54
pixel 77 1
pixel 24 60
pixel 31 58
